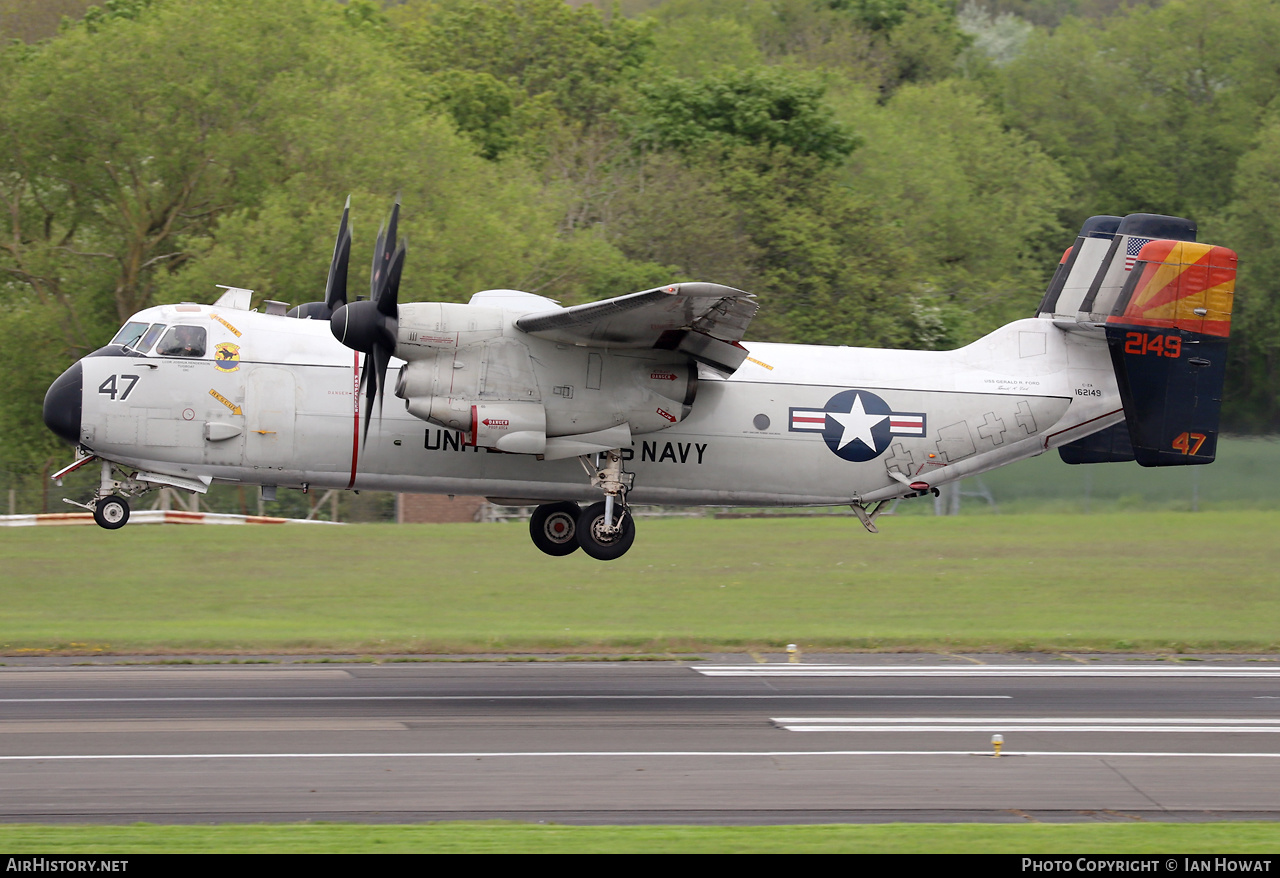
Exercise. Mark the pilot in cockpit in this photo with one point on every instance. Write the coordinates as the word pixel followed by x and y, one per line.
pixel 183 341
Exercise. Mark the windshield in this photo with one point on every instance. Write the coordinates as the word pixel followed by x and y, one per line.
pixel 129 333
pixel 150 338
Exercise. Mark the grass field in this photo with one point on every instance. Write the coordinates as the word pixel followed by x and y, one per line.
pixel 1180 582
pixel 1241 478
pixel 1171 581
pixel 1132 838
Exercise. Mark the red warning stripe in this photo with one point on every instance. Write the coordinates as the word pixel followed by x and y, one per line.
pixel 355 424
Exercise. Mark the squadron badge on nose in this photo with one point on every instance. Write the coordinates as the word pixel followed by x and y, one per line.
pixel 226 357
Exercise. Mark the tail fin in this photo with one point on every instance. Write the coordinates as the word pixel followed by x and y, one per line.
pixel 1078 268
pixel 1167 334
pixel 1134 232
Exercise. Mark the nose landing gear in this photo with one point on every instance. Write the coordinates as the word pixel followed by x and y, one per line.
pixel 110 509
pixel 111 512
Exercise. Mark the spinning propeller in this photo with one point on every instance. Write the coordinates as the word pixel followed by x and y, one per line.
pixel 369 326
pixel 335 288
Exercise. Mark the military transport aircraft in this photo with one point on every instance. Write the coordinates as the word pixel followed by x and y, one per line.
pixel 650 397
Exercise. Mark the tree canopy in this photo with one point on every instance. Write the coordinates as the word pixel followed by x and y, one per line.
pixel 880 172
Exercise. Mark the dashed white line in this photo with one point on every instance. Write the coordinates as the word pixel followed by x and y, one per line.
pixel 801 670
pixel 774 697
pixel 614 754
pixel 1179 725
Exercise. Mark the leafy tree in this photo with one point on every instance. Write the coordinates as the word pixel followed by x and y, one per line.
pixel 1149 110
pixel 488 57
pixel 1252 227
pixel 977 205
pixel 756 107
pixel 206 142
pixel 35 20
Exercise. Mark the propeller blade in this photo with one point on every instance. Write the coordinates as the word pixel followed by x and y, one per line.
pixel 375 273
pixel 372 379
pixel 382 252
pixel 389 295
pixel 335 291
pixel 371 326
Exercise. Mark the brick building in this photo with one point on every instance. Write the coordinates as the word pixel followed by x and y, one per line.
pixel 437 508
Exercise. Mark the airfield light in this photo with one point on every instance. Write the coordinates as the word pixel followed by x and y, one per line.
pixel 997 741
pixel 793 653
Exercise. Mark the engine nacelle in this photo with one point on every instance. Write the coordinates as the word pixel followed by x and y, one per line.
pixel 662 395
pixel 425 329
pixel 464 370
pixel 517 427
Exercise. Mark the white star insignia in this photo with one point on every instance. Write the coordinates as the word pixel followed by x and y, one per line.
pixel 857 424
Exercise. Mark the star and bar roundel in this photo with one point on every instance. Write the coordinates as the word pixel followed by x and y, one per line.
pixel 857 425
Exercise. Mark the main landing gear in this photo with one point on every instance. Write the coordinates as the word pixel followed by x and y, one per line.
pixel 604 530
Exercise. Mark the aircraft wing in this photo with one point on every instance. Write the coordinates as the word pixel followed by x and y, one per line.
pixel 703 320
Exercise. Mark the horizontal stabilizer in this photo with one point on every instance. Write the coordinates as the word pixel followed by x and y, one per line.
pixel 1111 445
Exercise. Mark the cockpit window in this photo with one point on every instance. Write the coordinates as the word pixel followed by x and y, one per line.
pixel 150 338
pixel 129 333
pixel 183 341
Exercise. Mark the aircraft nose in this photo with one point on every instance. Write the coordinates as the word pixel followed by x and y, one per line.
pixel 62 404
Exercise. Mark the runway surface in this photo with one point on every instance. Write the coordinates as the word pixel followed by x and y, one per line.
pixel 841 739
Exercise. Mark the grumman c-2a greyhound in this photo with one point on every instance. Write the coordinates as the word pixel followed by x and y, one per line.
pixel 649 397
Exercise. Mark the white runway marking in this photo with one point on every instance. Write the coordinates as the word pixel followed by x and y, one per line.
pixel 775 697
pixel 1026 724
pixel 183 673
pixel 615 754
pixel 798 670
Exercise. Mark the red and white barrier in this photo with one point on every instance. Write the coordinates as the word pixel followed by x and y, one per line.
pixel 150 516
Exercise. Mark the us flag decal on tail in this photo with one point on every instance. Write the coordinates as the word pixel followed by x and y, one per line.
pixel 1132 248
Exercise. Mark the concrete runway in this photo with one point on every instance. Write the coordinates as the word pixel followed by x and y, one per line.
pixel 839 739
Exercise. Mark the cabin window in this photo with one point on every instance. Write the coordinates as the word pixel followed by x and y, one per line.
pixel 182 341
pixel 150 338
pixel 129 333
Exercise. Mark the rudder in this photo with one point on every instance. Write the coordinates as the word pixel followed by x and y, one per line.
pixel 1167 335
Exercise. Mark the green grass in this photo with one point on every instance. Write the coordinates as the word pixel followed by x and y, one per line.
pixel 1135 581
pixel 1241 478
pixel 1155 838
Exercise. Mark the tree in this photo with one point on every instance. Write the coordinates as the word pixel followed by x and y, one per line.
pixel 487 58
pixel 1149 110
pixel 205 142
pixel 1252 227
pixel 977 205
pixel 760 106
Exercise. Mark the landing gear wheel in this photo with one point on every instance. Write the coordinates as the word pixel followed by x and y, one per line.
pixel 111 512
pixel 600 545
pixel 554 528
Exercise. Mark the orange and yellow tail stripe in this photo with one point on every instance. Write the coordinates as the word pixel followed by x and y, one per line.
pixel 1179 279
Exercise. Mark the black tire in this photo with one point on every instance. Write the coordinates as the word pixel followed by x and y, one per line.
pixel 111 512
pixel 554 528
pixel 598 545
